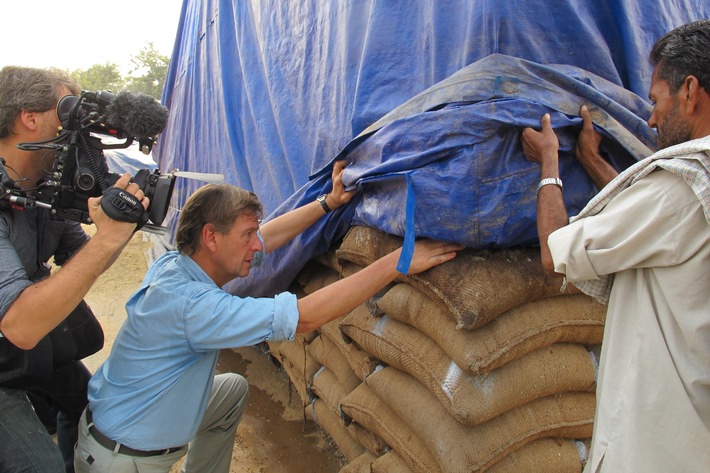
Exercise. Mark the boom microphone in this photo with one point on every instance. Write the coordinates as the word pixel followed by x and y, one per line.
pixel 139 115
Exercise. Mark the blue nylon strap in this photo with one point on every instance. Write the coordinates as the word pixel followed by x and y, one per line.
pixel 405 258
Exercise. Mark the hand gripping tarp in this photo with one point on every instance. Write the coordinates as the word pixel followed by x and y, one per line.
pixel 448 164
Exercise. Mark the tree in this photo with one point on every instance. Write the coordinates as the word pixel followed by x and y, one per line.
pixel 147 75
pixel 149 72
pixel 100 77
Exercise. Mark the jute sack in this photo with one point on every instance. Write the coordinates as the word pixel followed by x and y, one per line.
pixel 326 353
pixel 298 379
pixel 543 456
pixel 390 462
pixel 360 361
pixel 463 449
pixel 298 365
pixel 472 399
pixel 361 464
pixel 321 279
pixel 305 274
pixel 475 287
pixel 368 410
pixel 573 318
pixel 370 440
pixel 329 422
pixel 329 259
pixel 329 390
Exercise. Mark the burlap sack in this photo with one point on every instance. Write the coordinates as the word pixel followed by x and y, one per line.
pixel 472 399
pixel 361 362
pixel 305 274
pixel 464 449
pixel 326 353
pixel 290 347
pixel 369 440
pixel 542 456
pixel 569 318
pixel 328 389
pixel 298 365
pixel 368 410
pixel 298 381
pixel 361 464
pixel 329 422
pixel 329 259
pixel 390 462
pixel 475 287
pixel 348 268
pixel 321 279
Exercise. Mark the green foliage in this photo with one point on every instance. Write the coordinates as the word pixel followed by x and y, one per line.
pixel 147 75
pixel 100 77
pixel 149 72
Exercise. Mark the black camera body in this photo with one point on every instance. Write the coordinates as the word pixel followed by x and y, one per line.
pixel 80 170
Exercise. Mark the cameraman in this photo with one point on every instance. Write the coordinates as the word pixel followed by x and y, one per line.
pixel 33 302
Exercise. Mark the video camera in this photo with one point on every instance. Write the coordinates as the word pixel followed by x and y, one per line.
pixel 80 170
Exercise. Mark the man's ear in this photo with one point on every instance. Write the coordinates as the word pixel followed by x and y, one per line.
pixel 691 91
pixel 28 120
pixel 209 234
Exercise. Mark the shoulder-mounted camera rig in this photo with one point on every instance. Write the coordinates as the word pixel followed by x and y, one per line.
pixel 80 171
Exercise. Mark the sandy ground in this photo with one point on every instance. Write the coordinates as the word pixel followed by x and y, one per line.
pixel 273 436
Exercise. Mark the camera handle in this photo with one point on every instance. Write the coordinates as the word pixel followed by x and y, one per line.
pixel 119 205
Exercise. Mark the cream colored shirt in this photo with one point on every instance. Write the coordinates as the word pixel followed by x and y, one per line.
pixel 653 386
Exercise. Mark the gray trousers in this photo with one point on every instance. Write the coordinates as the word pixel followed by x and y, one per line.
pixel 209 452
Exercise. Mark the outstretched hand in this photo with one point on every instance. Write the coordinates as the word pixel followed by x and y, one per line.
pixel 339 196
pixel 537 145
pixel 430 253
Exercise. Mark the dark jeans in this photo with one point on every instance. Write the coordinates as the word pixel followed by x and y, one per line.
pixel 25 444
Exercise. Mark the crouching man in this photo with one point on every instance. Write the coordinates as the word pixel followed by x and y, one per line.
pixel 156 398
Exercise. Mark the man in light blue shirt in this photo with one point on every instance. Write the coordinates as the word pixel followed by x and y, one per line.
pixel 157 392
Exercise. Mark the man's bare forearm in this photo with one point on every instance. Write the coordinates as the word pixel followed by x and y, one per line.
pixel 342 296
pixel 598 169
pixel 42 306
pixel 283 228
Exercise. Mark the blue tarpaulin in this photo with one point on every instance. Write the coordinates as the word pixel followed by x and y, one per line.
pixel 424 99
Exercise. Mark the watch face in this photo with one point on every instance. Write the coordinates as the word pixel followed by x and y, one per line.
pixel 324 203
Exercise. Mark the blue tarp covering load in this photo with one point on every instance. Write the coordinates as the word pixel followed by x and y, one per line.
pixel 268 93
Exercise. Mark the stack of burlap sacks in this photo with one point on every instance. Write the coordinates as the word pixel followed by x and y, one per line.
pixel 480 364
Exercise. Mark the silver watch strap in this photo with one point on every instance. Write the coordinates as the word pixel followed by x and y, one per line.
pixel 549 181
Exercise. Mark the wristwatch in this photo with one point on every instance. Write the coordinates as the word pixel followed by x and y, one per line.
pixel 556 181
pixel 321 199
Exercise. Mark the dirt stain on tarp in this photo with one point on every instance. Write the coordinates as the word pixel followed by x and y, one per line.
pixel 273 432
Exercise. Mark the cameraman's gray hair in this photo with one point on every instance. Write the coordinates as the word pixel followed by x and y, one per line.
pixel 30 88
pixel 217 204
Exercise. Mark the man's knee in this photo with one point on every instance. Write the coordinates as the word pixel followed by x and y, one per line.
pixel 233 389
pixel 234 384
pixel 230 392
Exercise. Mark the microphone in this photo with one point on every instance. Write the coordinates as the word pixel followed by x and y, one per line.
pixel 139 115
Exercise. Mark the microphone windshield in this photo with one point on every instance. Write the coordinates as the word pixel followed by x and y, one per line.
pixel 139 115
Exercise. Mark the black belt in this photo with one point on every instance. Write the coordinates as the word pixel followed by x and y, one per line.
pixel 122 449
